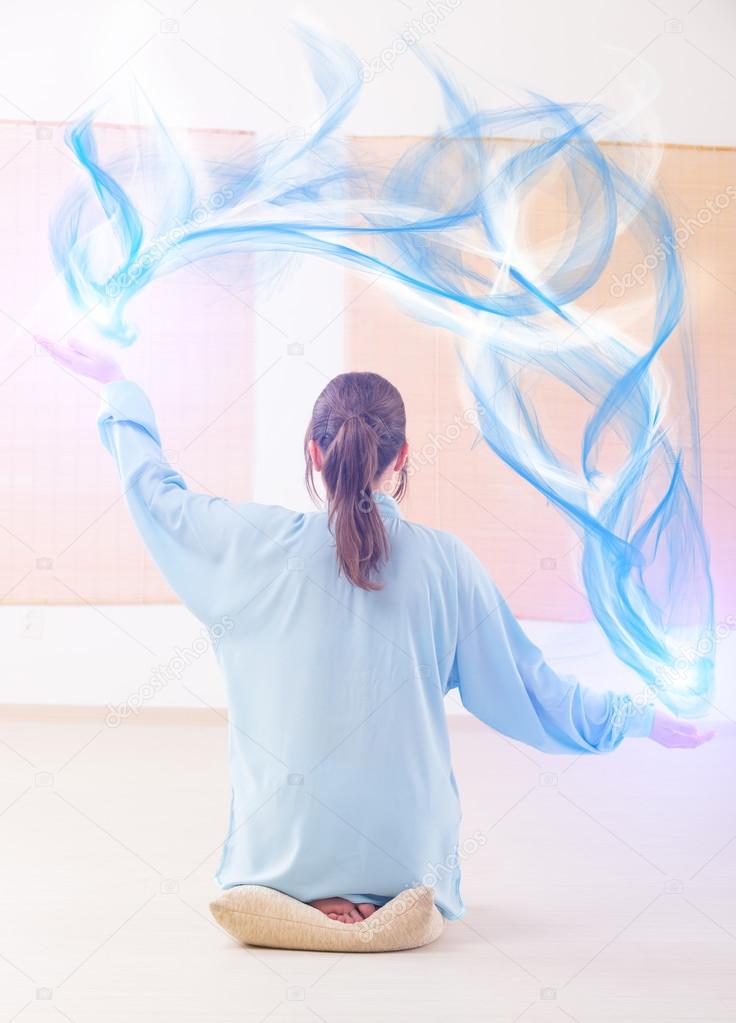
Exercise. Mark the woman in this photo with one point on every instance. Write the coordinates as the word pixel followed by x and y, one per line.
pixel 339 634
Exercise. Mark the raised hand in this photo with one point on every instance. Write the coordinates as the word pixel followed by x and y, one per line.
pixel 676 734
pixel 83 360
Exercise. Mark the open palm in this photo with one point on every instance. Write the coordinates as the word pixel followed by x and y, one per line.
pixel 676 734
pixel 83 359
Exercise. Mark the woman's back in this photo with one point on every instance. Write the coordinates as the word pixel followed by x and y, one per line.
pixel 339 634
pixel 338 734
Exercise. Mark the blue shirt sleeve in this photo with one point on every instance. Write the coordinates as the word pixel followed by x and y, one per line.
pixel 193 538
pixel 503 679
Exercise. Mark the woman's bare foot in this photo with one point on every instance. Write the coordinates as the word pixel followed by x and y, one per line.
pixel 343 910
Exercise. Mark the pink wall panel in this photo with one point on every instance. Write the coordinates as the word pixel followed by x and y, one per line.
pixel 65 536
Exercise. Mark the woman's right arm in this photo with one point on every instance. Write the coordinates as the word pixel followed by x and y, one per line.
pixel 195 539
pixel 191 536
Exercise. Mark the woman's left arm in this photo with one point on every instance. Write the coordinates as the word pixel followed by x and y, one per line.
pixel 504 680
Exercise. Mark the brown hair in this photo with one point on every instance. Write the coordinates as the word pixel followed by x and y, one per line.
pixel 359 424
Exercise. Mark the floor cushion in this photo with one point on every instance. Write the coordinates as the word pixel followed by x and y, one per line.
pixel 256 915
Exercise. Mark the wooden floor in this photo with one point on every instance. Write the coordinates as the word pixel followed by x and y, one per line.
pixel 602 889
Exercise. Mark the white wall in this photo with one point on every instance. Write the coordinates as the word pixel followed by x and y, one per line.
pixel 302 316
pixel 224 63
pixel 137 657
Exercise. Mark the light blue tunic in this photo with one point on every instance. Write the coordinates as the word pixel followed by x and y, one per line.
pixel 340 763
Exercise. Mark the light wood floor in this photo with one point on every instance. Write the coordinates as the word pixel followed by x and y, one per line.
pixel 604 890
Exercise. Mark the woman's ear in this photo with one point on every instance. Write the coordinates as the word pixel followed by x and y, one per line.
pixel 401 457
pixel 315 454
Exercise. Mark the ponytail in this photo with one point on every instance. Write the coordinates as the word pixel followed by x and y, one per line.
pixel 359 424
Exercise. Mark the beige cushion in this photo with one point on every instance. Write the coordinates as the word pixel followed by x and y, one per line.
pixel 263 916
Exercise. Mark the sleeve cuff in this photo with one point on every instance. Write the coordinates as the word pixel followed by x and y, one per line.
pixel 123 401
pixel 640 722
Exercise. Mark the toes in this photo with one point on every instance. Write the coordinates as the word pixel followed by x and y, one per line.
pixel 334 905
pixel 342 910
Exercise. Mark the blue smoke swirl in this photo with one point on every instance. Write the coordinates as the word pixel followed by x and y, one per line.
pixel 444 228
